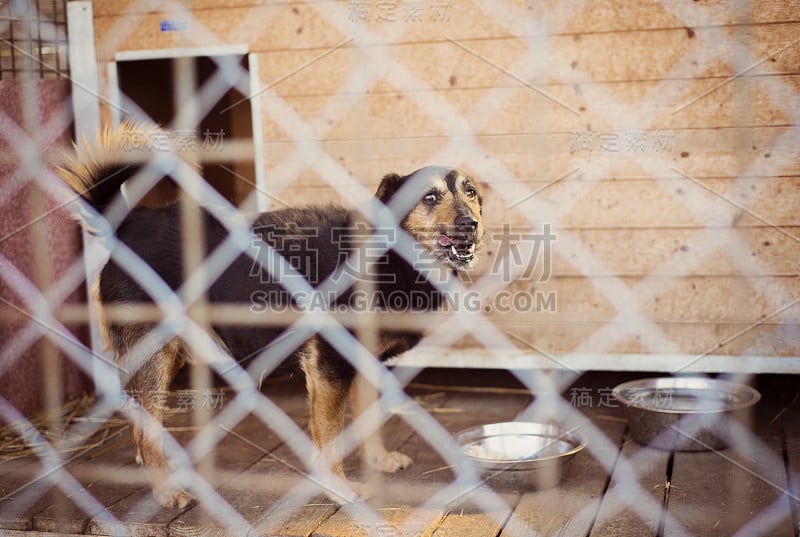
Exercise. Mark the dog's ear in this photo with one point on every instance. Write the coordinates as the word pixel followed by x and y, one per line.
pixel 389 186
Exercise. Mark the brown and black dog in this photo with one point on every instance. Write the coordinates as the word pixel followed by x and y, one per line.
pixel 444 218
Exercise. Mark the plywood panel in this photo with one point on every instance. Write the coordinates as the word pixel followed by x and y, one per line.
pixel 763 151
pixel 609 205
pixel 659 144
pixel 691 299
pixel 316 28
pixel 616 15
pixel 619 15
pixel 348 110
pixel 306 31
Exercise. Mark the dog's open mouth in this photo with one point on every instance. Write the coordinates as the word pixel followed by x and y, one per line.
pixel 458 250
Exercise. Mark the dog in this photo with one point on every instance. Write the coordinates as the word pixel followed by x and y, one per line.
pixel 441 209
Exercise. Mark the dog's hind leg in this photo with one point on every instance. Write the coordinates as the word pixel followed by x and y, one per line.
pixel 366 417
pixel 150 385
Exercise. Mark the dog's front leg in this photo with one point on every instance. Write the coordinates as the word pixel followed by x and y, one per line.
pixel 326 418
pixel 326 402
pixel 367 420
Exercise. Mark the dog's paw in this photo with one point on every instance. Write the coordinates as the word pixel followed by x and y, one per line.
pixel 390 461
pixel 172 497
pixel 362 490
pixel 351 492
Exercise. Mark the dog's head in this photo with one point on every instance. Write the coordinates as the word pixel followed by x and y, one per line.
pixel 441 209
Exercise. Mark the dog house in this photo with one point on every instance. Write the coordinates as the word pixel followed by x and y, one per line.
pixel 640 214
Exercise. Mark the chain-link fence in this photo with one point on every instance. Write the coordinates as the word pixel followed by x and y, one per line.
pixel 638 174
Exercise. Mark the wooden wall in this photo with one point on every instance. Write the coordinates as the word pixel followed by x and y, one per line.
pixel 659 141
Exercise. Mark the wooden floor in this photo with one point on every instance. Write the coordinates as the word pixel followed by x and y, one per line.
pixel 736 491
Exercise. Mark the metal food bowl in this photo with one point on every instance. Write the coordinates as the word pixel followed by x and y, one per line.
pixel 682 413
pixel 520 456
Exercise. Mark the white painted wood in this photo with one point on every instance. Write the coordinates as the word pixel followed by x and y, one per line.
pixel 114 95
pixel 182 52
pixel 86 110
pixel 262 201
pixel 519 359
pixel 115 107
pixel 83 69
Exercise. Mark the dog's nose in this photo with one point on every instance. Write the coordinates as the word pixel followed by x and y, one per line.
pixel 466 223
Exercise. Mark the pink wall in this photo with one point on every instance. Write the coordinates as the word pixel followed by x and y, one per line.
pixel 21 379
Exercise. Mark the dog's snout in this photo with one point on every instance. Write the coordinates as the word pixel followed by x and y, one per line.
pixel 466 223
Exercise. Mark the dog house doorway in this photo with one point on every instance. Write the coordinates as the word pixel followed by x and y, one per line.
pixel 146 82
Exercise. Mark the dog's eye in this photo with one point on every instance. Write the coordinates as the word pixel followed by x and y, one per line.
pixel 470 192
pixel 430 198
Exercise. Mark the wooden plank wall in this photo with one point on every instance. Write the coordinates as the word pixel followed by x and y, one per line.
pixel 661 144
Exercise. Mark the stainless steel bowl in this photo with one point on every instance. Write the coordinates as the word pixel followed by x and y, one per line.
pixel 683 413
pixel 520 456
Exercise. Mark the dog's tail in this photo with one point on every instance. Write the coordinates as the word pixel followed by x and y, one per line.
pixel 96 171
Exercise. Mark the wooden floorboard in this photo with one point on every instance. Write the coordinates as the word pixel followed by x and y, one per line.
pixel 143 517
pixel 62 513
pixel 304 512
pixel 570 508
pixel 251 442
pixel 22 490
pixel 746 489
pixel 403 509
pixel 39 505
pixel 299 513
pixel 623 512
pixel 480 512
pixel 737 485
pixel 136 511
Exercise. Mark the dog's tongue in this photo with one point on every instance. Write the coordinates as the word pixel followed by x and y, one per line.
pixel 444 240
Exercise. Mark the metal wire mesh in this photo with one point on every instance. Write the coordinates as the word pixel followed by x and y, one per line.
pixel 187 148
pixel 34 40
